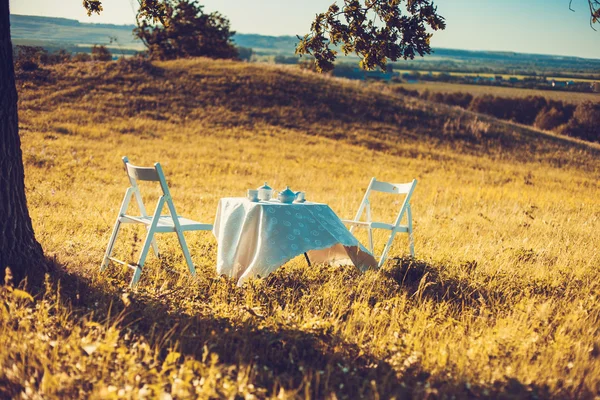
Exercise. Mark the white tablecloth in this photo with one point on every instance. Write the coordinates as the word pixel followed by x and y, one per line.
pixel 254 239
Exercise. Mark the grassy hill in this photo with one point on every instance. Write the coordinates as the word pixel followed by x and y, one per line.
pixel 502 299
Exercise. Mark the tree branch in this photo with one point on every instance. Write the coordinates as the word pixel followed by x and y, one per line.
pixel 404 31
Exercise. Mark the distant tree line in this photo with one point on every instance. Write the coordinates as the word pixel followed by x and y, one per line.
pixel 532 81
pixel 30 58
pixel 540 68
pixel 528 82
pixel 580 121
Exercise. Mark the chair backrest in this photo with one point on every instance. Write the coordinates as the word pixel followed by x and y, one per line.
pixel 141 173
pixel 391 188
pixel 152 174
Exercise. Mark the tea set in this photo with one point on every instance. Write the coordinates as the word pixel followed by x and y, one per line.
pixel 265 193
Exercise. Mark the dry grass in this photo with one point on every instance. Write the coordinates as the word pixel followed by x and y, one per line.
pixel 503 299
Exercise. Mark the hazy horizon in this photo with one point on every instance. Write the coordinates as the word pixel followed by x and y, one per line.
pixel 513 27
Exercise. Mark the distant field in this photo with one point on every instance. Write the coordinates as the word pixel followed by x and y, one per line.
pixel 573 77
pixel 479 90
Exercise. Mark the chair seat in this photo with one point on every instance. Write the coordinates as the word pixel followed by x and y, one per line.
pixel 165 223
pixel 376 225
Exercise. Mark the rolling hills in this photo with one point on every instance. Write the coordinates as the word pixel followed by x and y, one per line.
pixel 502 300
pixel 55 33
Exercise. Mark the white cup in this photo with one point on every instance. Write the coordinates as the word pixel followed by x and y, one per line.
pixel 300 197
pixel 252 194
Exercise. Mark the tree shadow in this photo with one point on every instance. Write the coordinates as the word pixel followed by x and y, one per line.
pixel 276 355
pixel 423 280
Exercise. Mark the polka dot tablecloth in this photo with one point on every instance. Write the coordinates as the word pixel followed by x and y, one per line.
pixel 255 238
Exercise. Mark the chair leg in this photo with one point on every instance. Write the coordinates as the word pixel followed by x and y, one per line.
pixel 111 244
pixel 385 250
pixel 371 240
pixel 155 247
pixel 186 253
pixel 137 274
pixel 412 243
pixel 140 264
pixel 410 232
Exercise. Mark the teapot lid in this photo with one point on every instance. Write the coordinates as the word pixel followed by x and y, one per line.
pixel 265 187
pixel 287 192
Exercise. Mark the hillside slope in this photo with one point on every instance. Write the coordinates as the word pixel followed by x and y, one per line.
pixel 502 299
pixel 247 95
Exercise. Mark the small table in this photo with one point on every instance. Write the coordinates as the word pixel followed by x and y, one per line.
pixel 256 238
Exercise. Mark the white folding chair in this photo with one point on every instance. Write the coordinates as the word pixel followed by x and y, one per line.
pixel 156 223
pixel 393 188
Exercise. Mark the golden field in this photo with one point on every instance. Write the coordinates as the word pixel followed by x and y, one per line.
pixel 502 300
pixel 576 77
pixel 501 91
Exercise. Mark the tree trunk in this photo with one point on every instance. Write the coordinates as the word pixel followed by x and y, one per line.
pixel 19 249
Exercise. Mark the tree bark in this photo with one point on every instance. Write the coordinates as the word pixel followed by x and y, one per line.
pixel 19 249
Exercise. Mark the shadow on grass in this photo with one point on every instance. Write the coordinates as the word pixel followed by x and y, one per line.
pixel 423 280
pixel 312 364
pixel 274 356
pixel 426 281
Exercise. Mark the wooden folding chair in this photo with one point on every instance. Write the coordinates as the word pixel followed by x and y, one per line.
pixel 156 223
pixel 393 188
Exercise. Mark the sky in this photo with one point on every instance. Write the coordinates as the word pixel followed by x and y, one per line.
pixel 525 26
